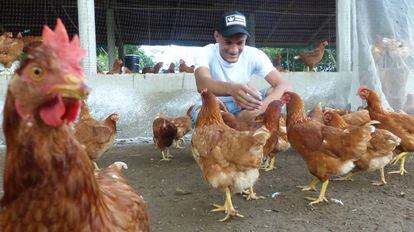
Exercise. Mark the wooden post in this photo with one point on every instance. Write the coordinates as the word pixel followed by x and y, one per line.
pixel 87 36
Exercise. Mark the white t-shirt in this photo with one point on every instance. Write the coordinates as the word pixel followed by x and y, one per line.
pixel 251 61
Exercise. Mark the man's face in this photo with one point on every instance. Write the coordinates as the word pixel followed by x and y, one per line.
pixel 231 47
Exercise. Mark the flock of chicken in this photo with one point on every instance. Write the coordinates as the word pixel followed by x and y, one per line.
pixel 333 143
pixel 51 184
pixel 118 68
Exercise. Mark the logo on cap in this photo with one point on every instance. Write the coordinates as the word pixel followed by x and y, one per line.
pixel 235 20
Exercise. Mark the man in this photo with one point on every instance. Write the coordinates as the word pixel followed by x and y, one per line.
pixel 226 68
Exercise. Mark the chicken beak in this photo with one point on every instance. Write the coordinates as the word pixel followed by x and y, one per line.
pixel 72 88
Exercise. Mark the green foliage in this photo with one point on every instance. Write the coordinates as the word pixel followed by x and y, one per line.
pixel 102 57
pixel 327 63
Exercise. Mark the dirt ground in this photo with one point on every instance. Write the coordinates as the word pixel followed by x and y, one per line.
pixel 179 199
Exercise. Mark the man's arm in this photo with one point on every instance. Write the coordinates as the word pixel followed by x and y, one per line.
pixel 239 92
pixel 278 86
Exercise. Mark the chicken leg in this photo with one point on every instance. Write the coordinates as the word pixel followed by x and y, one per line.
pixel 251 195
pixel 178 143
pixel 269 164
pixel 166 156
pixel 95 165
pixel 382 181
pixel 227 207
pixel 401 157
pixel 345 178
pixel 310 186
pixel 321 197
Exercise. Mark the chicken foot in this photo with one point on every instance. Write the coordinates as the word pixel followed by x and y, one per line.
pixel 321 197
pixel 95 165
pixel 269 164
pixel 401 157
pixel 382 181
pixel 311 186
pixel 179 142
pixel 345 178
pixel 166 156
pixel 227 207
pixel 251 195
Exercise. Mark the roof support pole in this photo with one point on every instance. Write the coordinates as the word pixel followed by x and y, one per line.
pixel 110 33
pixel 86 18
pixel 343 39
pixel 252 30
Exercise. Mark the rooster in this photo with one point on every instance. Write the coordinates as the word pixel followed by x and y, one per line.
pixel 229 159
pixel 97 136
pixel 327 151
pixel 400 124
pixel 49 182
pixel 379 152
pixel 311 59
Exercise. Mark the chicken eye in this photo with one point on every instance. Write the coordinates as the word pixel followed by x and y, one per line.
pixel 37 73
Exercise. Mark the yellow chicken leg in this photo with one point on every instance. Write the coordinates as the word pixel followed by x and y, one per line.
pixel 382 181
pixel 311 186
pixel 95 165
pixel 227 207
pixel 251 195
pixel 321 197
pixel 166 155
pixel 178 143
pixel 401 157
pixel 270 165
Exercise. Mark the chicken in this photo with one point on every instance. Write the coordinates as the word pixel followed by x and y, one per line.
pixel 10 49
pixel 30 41
pixel 311 59
pixel 155 69
pixel 278 63
pixel 270 119
pixel 171 68
pixel 96 135
pixel 49 182
pixel 183 125
pixel 184 68
pixel 116 67
pixel 327 151
pixel 402 125
pixel 229 159
pixel 380 148
pixel 357 118
pixel 316 113
pixel 164 133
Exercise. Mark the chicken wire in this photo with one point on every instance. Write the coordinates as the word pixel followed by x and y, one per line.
pixel 382 32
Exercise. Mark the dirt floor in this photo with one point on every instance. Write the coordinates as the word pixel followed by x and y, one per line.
pixel 179 199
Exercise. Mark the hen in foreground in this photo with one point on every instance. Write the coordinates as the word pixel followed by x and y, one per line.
pixel 229 159
pixel 49 182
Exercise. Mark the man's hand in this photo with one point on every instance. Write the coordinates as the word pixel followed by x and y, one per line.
pixel 245 96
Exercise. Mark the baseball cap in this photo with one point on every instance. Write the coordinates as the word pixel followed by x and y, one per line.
pixel 232 23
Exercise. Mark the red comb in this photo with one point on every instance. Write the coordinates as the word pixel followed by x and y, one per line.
pixel 68 52
pixel 203 90
pixel 362 87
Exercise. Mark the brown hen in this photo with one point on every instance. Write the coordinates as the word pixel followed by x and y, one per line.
pixel 49 182
pixel 311 59
pixel 380 148
pixel 400 124
pixel 327 151
pixel 10 49
pixel 164 133
pixel 229 159
pixel 96 135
